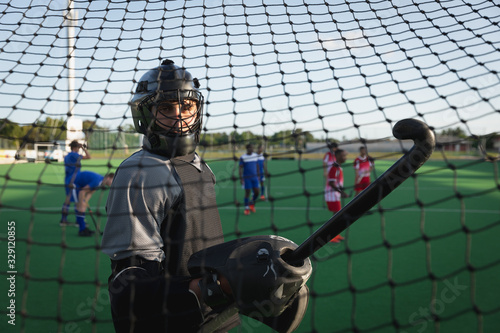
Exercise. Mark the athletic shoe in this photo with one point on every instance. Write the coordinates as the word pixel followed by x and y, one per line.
pixel 252 208
pixel 247 212
pixel 263 197
pixel 336 239
pixel 86 232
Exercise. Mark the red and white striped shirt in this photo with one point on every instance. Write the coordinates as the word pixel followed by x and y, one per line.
pixel 335 175
pixel 329 159
pixel 362 168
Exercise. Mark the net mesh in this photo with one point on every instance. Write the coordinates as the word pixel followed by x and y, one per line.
pixel 289 75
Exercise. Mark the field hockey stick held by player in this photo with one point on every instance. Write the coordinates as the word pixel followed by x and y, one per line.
pixel 424 143
pixel 94 221
pixel 257 256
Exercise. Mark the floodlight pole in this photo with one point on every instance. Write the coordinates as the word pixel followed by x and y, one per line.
pixel 71 19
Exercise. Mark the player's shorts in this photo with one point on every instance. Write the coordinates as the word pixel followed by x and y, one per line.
pixel 251 183
pixel 333 206
pixel 74 195
pixel 69 192
pixel 362 185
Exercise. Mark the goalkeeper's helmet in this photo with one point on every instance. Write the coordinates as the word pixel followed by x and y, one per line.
pixel 168 109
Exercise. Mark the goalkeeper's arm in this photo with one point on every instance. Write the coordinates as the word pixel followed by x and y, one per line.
pixel 213 290
pixel 259 283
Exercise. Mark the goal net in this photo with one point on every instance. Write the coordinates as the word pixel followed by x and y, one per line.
pixel 291 76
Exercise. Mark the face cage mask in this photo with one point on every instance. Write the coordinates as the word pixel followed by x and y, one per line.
pixel 150 104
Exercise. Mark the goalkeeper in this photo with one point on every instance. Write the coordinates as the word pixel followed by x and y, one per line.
pixel 163 217
pixel 161 209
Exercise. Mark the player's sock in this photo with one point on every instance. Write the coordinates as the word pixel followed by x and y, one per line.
pixel 252 206
pixel 64 217
pixel 246 202
pixel 254 198
pixel 80 220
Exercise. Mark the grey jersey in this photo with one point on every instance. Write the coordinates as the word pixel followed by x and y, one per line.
pixel 143 189
pixel 163 210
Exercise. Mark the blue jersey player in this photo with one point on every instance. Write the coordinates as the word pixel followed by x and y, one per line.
pixel 72 167
pixel 85 184
pixel 262 171
pixel 250 177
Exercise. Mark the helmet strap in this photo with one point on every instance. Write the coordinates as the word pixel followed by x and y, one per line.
pixel 154 141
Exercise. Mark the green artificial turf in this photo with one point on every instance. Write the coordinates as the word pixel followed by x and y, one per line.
pixel 429 250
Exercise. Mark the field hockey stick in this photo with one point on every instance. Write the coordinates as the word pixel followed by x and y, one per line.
pixel 411 161
pixel 94 221
pixel 424 143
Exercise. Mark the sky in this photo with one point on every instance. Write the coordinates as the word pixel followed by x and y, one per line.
pixel 344 70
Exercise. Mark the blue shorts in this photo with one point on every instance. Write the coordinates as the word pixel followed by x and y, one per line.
pixel 70 193
pixel 74 195
pixel 251 183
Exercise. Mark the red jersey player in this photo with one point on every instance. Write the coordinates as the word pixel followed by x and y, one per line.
pixel 334 190
pixel 329 158
pixel 363 166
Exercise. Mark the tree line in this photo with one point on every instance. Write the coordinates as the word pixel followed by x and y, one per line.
pixel 15 136
pixel 288 138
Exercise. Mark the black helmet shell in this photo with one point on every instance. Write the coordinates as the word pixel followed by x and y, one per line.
pixel 166 82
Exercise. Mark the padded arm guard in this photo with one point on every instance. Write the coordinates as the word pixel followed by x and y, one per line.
pixel 263 284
